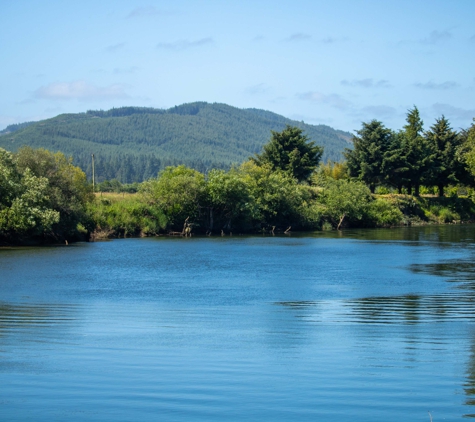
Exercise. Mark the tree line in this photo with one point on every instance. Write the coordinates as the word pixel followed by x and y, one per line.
pixel 43 196
pixel 411 157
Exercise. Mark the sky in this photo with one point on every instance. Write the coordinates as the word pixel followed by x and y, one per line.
pixel 334 62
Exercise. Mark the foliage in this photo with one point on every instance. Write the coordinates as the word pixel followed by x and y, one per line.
pixel 24 202
pixel 280 200
pixel 384 213
pixel 179 192
pixel 231 203
pixel 468 148
pixel 292 152
pixel 415 152
pixel 333 170
pixel 445 167
pixel 67 189
pixel 366 160
pixel 345 200
pixel 121 216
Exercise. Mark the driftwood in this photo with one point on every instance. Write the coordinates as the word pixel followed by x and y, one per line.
pixel 341 221
pixel 186 232
pixel 288 230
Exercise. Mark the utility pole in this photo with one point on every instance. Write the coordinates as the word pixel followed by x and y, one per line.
pixel 93 190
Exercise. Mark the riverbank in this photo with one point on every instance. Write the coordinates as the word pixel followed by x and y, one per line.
pixel 124 215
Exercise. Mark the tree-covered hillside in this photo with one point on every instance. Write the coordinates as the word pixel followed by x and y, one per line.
pixel 134 143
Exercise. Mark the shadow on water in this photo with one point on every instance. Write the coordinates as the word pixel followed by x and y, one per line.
pixel 431 233
pixel 469 386
pixel 456 271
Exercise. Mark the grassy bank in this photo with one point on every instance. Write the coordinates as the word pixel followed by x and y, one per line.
pixel 124 214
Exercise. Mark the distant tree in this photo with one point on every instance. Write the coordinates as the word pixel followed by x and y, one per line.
pixel 179 192
pixel 415 152
pixel 24 203
pixel 394 164
pixel 67 188
pixel 445 168
pixel 230 202
pixel 280 200
pixel 466 151
pixel 365 160
pixel 345 200
pixel 292 152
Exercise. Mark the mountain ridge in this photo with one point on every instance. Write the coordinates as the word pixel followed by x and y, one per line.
pixel 134 143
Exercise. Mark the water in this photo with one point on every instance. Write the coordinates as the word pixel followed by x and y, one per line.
pixel 363 326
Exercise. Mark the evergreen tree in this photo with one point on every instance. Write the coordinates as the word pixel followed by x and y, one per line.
pixel 445 168
pixel 415 152
pixel 365 160
pixel 466 150
pixel 292 152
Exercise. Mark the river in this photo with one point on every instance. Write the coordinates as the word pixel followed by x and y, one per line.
pixel 363 325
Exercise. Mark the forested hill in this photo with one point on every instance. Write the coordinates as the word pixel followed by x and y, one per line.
pixel 134 143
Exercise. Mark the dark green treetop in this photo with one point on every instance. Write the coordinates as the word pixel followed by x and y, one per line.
pixel 445 167
pixel 365 161
pixel 416 152
pixel 292 152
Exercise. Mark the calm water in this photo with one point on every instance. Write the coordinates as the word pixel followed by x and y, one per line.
pixel 374 325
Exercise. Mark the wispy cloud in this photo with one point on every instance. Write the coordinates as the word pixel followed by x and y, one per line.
pixel 79 90
pixel 139 12
pixel 379 111
pixel 432 85
pixel 333 100
pixel 127 70
pixel 184 44
pixel 367 83
pixel 258 38
pixel 258 89
pixel 333 40
pixel 454 112
pixel 297 37
pixel 115 47
pixel 436 37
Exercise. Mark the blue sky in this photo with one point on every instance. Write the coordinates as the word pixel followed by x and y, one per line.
pixel 335 62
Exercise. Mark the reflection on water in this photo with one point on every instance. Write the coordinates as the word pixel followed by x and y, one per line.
pixel 453 271
pixel 407 309
pixel 359 325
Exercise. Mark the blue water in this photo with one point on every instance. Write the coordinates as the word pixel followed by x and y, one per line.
pixel 361 326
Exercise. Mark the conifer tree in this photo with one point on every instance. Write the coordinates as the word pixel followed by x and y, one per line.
pixel 292 152
pixel 415 152
pixel 365 160
pixel 445 168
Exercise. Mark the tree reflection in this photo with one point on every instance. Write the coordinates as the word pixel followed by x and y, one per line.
pixel 17 317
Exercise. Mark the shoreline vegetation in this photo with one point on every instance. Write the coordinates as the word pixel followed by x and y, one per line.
pixel 410 177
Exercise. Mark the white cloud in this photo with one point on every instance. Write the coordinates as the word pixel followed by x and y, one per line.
pixel 79 90
pixel 184 44
pixel 333 100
